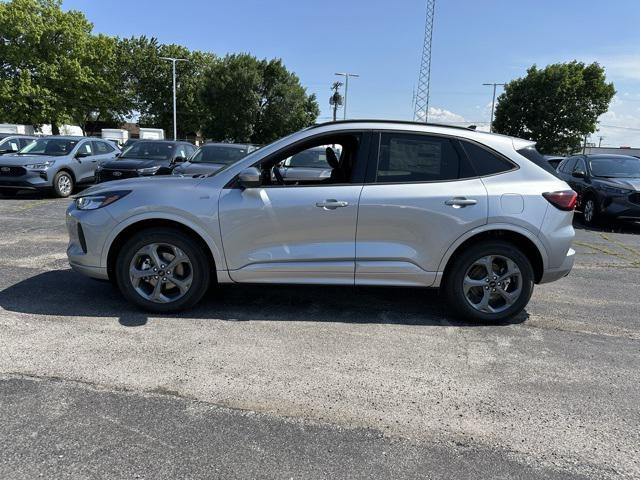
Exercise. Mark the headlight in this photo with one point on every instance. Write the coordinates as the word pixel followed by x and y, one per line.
pixel 41 165
pixel 99 200
pixel 616 191
pixel 148 171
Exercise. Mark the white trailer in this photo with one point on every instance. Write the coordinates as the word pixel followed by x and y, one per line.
pixel 116 134
pixel 17 129
pixel 151 134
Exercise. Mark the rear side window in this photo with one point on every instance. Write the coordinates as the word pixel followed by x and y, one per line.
pixel 531 154
pixel 485 162
pixel 407 158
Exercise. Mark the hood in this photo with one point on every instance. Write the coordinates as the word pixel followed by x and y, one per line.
pixel 192 169
pixel 14 160
pixel 156 182
pixel 628 183
pixel 133 164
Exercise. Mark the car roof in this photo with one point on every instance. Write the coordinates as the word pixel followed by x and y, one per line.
pixel 596 156
pixel 223 144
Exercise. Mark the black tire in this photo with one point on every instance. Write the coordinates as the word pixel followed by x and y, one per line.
pixel 200 264
pixel 60 182
pixel 454 280
pixel 590 212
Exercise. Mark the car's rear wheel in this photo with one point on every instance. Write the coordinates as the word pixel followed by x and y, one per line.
pixel 62 184
pixel 162 270
pixel 489 282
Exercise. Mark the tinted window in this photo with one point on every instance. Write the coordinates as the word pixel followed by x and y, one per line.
pixel 580 165
pixel 416 158
pixel 25 141
pixel 312 158
pixel 567 166
pixel 219 154
pixel 485 162
pixel 531 154
pixel 618 167
pixel 86 148
pixel 102 147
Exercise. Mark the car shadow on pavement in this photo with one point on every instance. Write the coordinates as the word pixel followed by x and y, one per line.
pixel 609 226
pixel 68 294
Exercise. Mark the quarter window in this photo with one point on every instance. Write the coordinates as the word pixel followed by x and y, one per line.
pixel 407 158
pixel 484 162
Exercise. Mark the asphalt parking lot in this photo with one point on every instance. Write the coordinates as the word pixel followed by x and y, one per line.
pixel 313 382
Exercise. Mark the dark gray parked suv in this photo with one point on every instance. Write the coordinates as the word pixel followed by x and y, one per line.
pixel 54 163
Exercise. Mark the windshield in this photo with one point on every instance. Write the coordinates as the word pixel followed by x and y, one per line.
pixel 149 151
pixel 615 167
pixel 56 147
pixel 218 154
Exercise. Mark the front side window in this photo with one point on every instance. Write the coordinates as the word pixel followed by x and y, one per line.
pixel 407 158
pixel 580 166
pixel 568 165
pixel 57 147
pixel 329 160
pixel 86 149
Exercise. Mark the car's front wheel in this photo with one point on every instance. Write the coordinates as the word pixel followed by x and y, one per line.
pixel 162 270
pixel 489 282
pixel 590 213
pixel 62 184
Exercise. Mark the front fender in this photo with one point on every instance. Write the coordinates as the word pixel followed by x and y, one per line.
pixel 199 229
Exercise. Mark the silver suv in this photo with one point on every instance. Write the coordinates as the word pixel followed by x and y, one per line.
pixel 405 204
pixel 54 163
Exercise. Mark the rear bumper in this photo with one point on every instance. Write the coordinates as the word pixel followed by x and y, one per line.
pixel 553 274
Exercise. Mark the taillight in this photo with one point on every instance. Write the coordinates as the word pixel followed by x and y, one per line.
pixel 564 200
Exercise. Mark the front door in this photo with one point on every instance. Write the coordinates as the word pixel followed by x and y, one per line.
pixel 295 232
pixel 85 166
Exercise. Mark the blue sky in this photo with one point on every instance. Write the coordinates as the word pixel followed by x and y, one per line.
pixel 474 42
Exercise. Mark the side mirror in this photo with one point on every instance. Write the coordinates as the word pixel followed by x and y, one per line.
pixel 82 154
pixel 179 160
pixel 578 174
pixel 249 178
pixel 117 155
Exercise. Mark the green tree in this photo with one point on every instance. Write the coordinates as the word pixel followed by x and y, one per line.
pixel 149 83
pixel 52 69
pixel 251 100
pixel 555 106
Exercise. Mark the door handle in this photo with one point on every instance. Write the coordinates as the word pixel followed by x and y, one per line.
pixel 460 202
pixel 332 204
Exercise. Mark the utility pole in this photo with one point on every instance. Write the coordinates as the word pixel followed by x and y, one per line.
pixel 173 62
pixel 335 100
pixel 600 140
pixel 493 101
pixel 421 106
pixel 346 88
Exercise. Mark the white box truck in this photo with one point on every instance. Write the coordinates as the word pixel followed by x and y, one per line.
pixel 16 129
pixel 115 134
pixel 151 134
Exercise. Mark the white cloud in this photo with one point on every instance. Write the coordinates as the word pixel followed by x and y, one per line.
pixel 625 66
pixel 441 115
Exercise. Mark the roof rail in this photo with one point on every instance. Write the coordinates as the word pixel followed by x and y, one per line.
pixel 407 122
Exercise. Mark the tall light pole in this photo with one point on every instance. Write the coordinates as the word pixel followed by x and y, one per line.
pixel 173 62
pixel 493 102
pixel 346 88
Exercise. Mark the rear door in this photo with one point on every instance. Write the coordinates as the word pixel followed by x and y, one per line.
pixel 420 196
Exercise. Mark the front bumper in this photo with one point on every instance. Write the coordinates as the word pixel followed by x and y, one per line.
pixel 26 179
pixel 621 207
pixel 88 231
pixel 553 274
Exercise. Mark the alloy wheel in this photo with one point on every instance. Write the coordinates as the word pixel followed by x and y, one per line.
pixel 588 211
pixel 161 273
pixel 64 185
pixel 492 284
